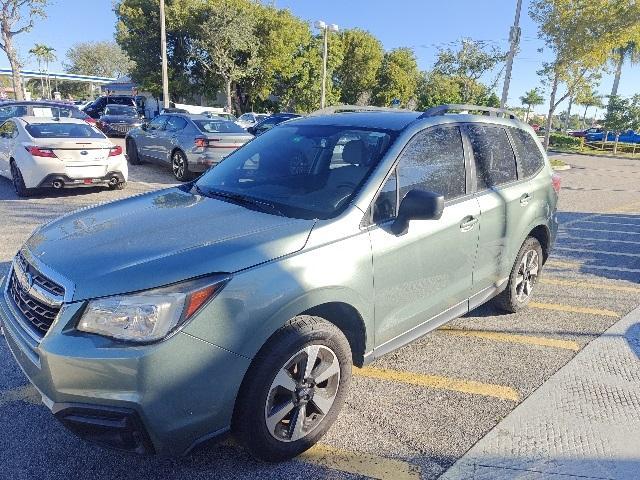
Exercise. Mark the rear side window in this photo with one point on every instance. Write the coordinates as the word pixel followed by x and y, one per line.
pixel 529 155
pixel 176 123
pixel 218 126
pixel 494 158
pixel 434 161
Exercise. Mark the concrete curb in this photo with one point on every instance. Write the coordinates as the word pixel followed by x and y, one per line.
pixel 584 421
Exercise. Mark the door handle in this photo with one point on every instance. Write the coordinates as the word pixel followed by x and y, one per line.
pixel 524 199
pixel 468 223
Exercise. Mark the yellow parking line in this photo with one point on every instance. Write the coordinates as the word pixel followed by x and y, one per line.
pixel 569 308
pixel 558 263
pixel 513 338
pixel 362 464
pixel 595 286
pixel 442 383
pixel 25 393
pixel 626 208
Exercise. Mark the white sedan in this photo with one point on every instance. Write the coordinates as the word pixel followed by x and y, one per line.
pixel 60 153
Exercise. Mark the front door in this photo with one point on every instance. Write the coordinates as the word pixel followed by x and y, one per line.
pixel 8 132
pixel 149 143
pixel 427 270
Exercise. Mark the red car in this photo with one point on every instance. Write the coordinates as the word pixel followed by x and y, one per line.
pixel 583 133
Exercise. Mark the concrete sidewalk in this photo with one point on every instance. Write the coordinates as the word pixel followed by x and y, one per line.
pixel 584 422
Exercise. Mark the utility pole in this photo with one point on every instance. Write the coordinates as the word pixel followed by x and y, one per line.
pixel 163 47
pixel 514 39
pixel 320 25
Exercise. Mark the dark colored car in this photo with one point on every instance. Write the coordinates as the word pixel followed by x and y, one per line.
pixel 119 119
pixel 42 109
pixel 96 108
pixel 584 133
pixel 270 122
pixel 625 137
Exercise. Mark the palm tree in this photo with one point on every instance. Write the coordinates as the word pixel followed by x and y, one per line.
pixel 531 99
pixel 631 52
pixel 588 98
pixel 44 54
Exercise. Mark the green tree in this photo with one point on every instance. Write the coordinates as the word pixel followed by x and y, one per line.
pixel 469 64
pixel 362 59
pixel 619 118
pixel 397 78
pixel 437 89
pixel 44 54
pixel 16 17
pixel 630 52
pixel 101 59
pixel 138 34
pixel 226 45
pixel 531 98
pixel 588 98
pixel 579 34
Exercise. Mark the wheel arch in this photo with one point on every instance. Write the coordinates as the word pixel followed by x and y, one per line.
pixel 542 233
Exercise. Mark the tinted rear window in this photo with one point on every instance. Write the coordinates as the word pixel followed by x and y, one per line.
pixel 494 158
pixel 62 130
pixel 218 126
pixel 529 155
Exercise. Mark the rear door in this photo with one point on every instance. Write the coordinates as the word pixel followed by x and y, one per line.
pixel 172 137
pixel 427 270
pixel 503 201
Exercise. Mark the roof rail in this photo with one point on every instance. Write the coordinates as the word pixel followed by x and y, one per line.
pixel 355 108
pixel 491 111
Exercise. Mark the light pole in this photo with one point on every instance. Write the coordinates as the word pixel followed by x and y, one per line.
pixel 320 25
pixel 163 48
pixel 514 38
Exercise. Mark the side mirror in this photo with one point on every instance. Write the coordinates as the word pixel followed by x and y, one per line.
pixel 251 130
pixel 145 126
pixel 418 205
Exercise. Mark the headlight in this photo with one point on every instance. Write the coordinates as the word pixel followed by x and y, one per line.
pixel 152 315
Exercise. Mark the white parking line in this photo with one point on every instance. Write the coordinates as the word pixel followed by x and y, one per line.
pixel 598 252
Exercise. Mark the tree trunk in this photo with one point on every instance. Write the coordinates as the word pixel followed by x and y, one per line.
pixel 12 55
pixel 616 78
pixel 526 118
pixel 615 144
pixel 584 117
pixel 552 107
pixel 566 125
pixel 229 106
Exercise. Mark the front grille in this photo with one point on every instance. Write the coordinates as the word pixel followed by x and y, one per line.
pixel 37 313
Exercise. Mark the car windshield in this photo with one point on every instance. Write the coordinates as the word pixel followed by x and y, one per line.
pixel 301 171
pixel 123 110
pixel 62 130
pixel 218 126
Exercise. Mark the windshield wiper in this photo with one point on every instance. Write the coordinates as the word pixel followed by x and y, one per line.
pixel 240 198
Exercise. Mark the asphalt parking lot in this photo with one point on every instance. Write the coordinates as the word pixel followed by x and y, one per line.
pixel 409 415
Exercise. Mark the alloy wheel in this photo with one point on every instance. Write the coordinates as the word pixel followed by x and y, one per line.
pixel 179 165
pixel 527 275
pixel 302 393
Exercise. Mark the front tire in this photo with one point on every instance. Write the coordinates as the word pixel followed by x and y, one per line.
pixel 293 390
pixel 18 181
pixel 180 166
pixel 523 278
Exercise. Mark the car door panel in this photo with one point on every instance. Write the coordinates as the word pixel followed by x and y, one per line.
pixel 428 270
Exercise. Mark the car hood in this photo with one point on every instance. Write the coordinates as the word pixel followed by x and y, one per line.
pixel 160 238
pixel 120 119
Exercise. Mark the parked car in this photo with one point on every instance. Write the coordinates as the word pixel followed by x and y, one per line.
pixel 227 116
pixel 96 108
pixel 40 152
pixel 173 110
pixel 242 300
pixel 118 120
pixel 247 120
pixel 189 143
pixel 585 132
pixel 270 122
pixel 625 137
pixel 41 109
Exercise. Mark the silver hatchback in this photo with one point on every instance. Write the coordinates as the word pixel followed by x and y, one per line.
pixel 189 143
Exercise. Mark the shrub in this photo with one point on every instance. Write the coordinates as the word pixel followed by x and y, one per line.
pixel 562 140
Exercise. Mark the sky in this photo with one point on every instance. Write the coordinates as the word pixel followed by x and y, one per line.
pixel 423 25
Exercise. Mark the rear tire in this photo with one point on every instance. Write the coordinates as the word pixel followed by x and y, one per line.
pixel 132 152
pixel 523 278
pixel 285 406
pixel 118 186
pixel 18 181
pixel 180 166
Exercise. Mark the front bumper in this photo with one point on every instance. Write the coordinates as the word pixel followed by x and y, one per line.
pixel 164 397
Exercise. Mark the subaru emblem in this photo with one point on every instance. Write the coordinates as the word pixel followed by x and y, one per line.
pixel 83 152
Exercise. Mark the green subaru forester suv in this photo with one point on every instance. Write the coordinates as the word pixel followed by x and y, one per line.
pixel 240 301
